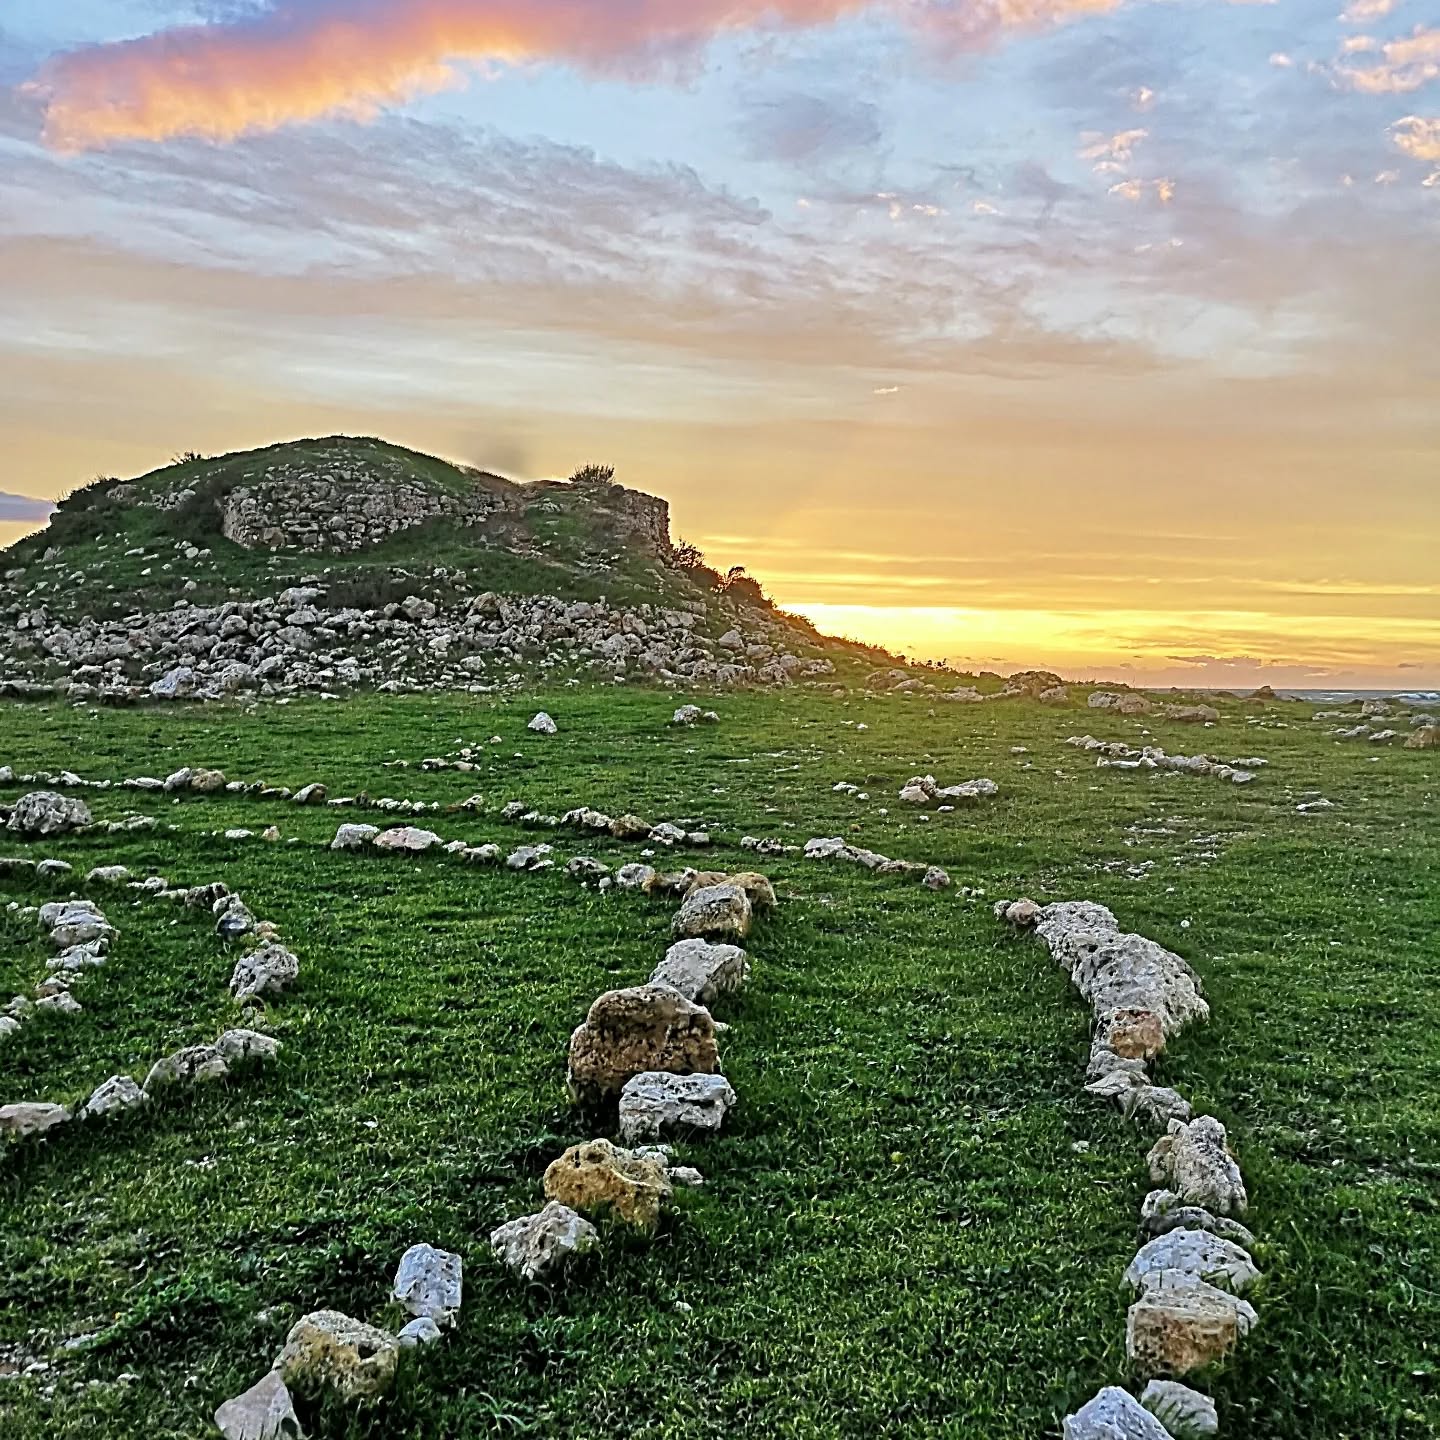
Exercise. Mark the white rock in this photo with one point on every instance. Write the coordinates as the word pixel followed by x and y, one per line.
pixel 428 1283
pixel 406 839
pixel 703 972
pixel 116 1094
pixel 422 1330
pixel 542 724
pixel 33 1118
pixel 654 1104
pixel 1113 1415
pixel 268 970
pixel 1194 1252
pixel 1185 1413
pixel 263 1412
pixel 44 813
pixel 535 1245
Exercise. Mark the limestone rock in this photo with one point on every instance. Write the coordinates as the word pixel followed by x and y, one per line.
pixel 597 1176
pixel 1195 1161
pixel 266 971
pixel 428 1283
pixel 654 1104
pixel 422 1330
pixel 263 1412
pixel 107 875
pixel 116 1094
pixel 354 837
pixel 192 1065
pixel 703 972
pixel 312 794
pixel 636 876
pixel 1181 1324
pixel 1113 1415
pixel 530 857
pixel 1185 1413
pixel 1194 1252
pixel 1163 1210
pixel 542 724
pixel 630 1032
pixel 329 1349
pixel 235 1047
pixel 630 827
pixel 1154 1105
pixel 43 813
pixel 406 840
pixel 32 1118
pixel 716 912
pixel 534 1246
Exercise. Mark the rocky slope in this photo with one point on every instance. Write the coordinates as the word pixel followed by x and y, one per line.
pixel 334 564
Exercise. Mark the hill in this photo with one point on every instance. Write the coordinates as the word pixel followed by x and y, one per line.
pixel 335 563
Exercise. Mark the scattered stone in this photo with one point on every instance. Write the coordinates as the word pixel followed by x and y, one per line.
pixel 428 1283
pixel 716 912
pixel 703 972
pixel 1113 1415
pixel 329 1349
pixel 585 868
pixel 1185 1413
pixel 43 813
pixel 116 1094
pixel 33 1118
pixel 542 724
pixel 266 971
pixel 535 1246
pixel 1181 1324
pixel 597 1176
pixel 1196 1162
pixel 630 1032
pixel 263 1412
pixel 654 1104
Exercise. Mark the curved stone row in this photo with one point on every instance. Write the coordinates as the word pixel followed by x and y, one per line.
pixel 1193 1266
pixel 79 929
pixel 1116 755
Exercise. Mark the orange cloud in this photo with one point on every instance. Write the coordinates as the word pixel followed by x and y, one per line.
pixel 1403 66
pixel 301 60
pixel 1418 136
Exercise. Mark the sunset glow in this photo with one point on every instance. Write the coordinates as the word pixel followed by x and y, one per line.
pixel 1093 334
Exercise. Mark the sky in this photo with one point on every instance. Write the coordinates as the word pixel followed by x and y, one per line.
pixel 1096 334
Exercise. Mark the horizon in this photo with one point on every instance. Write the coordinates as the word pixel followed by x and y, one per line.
pixel 1095 337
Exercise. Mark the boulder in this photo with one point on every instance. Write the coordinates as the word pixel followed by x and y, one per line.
pixel 542 724
pixel 428 1283
pixel 354 837
pixel 636 876
pixel 1113 1415
pixel 190 1066
pixel 263 1412
pixel 118 1093
pixel 327 1349
pixel 1195 1161
pixel 406 840
pixel 266 971
pixel 1194 1252
pixel 703 972
pixel 43 813
pixel 235 1047
pixel 31 1118
pixel 1186 1414
pixel 1181 1324
pixel 598 1177
pixel 535 1246
pixel 656 1104
pixel 629 1032
pixel 630 827
pixel 312 794
pixel 716 912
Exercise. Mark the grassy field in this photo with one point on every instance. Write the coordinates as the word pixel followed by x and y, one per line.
pixel 915 1222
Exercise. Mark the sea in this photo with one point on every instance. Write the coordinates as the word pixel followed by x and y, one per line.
pixel 1339 697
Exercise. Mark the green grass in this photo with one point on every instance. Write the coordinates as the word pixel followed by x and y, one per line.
pixel 898 1235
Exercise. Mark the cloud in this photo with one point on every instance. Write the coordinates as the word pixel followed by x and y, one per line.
pixel 23 507
pixel 296 61
pixel 1404 65
pixel 1418 136
pixel 1361 12
pixel 809 129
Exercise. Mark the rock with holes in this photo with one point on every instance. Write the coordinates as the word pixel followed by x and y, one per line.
pixel 536 1246
pixel 116 1095
pixel 31 1118
pixel 263 1412
pixel 269 970
pixel 354 837
pixel 43 813
pixel 428 1283
pixel 1186 1414
pixel 598 1177
pixel 193 1065
pixel 1113 1414
pixel 1164 1210
pixel 1182 1323
pixel 1154 1105
pixel 703 972
pixel 655 1104
pixel 629 1032
pixel 716 912
pixel 1195 1161
pixel 1194 1252
pixel 329 1350
pixel 1115 971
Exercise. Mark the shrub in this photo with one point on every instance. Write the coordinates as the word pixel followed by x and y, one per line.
pixel 594 475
